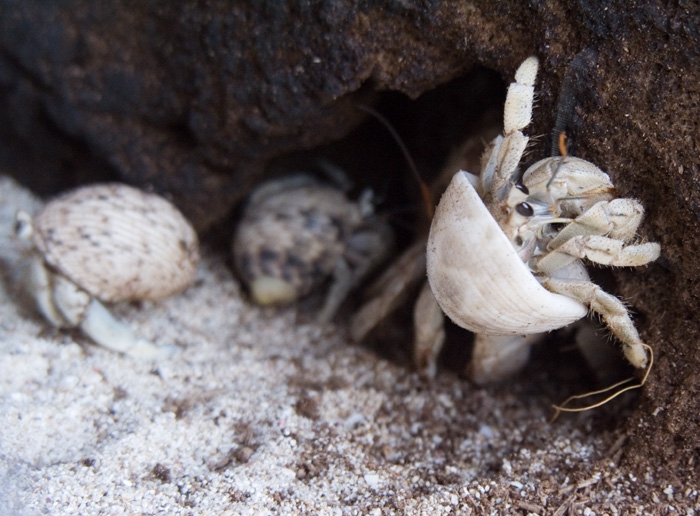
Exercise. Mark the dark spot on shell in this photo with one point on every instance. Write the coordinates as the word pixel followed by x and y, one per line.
pixel 339 227
pixel 313 220
pixel 277 216
pixel 269 260
pixel 293 267
pixel 294 261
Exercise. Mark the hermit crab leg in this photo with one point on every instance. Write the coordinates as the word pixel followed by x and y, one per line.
pixel 497 357
pixel 429 330
pixel 500 168
pixel 611 309
pixel 38 283
pixel 101 326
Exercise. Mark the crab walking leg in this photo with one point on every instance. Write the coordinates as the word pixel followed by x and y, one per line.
pixel 38 285
pixel 343 281
pixel 429 332
pixel 517 114
pixel 104 329
pixel 618 219
pixel 365 249
pixel 601 250
pixel 496 357
pixel 608 251
pixel 610 308
pixel 390 290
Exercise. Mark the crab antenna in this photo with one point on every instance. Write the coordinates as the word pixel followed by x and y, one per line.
pixel 565 109
pixel 558 409
pixel 562 144
pixel 563 152
pixel 425 191
pixel 576 74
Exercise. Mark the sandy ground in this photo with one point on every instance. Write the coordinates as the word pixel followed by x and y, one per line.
pixel 260 414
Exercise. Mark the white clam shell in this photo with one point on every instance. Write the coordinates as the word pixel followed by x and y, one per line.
pixel 117 242
pixel 478 278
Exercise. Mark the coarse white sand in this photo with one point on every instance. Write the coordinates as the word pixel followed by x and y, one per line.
pixel 260 414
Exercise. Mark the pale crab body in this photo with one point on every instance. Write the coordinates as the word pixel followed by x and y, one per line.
pixel 504 254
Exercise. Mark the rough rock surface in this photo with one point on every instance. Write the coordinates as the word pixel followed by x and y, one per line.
pixel 194 99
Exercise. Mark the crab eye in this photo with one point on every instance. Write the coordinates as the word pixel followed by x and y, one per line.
pixel 524 189
pixel 524 209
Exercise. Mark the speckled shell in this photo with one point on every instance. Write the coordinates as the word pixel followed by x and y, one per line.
pixel 478 278
pixel 294 229
pixel 118 243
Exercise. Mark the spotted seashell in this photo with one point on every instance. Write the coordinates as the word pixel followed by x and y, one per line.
pixel 117 243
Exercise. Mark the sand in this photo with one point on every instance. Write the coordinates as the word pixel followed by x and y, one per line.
pixel 260 413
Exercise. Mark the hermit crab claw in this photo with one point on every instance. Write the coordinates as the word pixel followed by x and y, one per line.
pixel 477 277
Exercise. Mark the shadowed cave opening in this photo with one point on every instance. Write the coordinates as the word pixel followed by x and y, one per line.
pixel 432 127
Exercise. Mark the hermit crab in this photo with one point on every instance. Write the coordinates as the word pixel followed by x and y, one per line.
pixel 505 251
pixel 299 232
pixel 106 243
